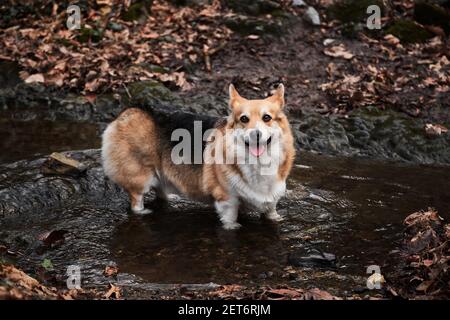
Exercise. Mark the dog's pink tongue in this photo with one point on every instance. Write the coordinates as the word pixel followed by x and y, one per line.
pixel 257 151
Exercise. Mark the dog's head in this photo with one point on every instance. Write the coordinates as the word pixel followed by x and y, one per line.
pixel 258 121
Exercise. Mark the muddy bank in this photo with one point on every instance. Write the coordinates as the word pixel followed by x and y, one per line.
pixel 332 202
pixel 369 132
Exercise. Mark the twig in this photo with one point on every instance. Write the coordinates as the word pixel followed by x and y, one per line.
pixel 207 53
pixel 126 90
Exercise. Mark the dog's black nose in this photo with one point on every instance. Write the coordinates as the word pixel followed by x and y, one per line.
pixel 256 135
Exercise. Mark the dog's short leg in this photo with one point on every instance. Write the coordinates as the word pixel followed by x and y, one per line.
pixel 165 193
pixel 272 213
pixel 137 203
pixel 228 212
pixel 138 187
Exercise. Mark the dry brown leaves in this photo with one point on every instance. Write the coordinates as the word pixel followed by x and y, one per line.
pixel 435 129
pixel 338 52
pixel 23 286
pixel 358 81
pixel 113 292
pixel 267 293
pixel 427 242
pixel 17 285
pixel 110 271
pixel 50 53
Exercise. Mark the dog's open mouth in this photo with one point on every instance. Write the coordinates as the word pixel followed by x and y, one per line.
pixel 258 149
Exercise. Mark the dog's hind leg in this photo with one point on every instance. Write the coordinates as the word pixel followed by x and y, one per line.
pixel 164 190
pixel 137 187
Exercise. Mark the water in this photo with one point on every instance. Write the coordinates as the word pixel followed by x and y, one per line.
pixel 350 209
pixel 25 139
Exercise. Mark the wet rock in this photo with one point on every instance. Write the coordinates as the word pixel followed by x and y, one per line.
pixel 24 189
pixel 408 31
pixel 253 7
pixel 368 132
pixel 265 275
pixel 59 164
pixel 35 101
pixel 298 3
pixel 114 26
pixel 312 259
pixel 312 16
pixel 246 26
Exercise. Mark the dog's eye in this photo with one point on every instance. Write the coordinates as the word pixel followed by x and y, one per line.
pixel 266 118
pixel 244 119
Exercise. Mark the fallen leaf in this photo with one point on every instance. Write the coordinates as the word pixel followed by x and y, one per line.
pixel 424 285
pixel 286 293
pixel 317 294
pixel 113 292
pixel 338 52
pixel 435 129
pixel 110 271
pixel 37 77
pixel 392 39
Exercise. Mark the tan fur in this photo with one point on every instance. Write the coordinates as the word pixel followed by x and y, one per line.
pixel 135 157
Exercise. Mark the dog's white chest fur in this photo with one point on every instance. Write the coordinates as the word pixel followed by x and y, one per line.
pixel 256 188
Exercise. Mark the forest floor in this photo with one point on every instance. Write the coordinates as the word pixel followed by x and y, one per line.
pixel 336 67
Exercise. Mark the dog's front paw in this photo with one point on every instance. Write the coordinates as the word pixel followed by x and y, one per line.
pixel 142 211
pixel 231 225
pixel 274 216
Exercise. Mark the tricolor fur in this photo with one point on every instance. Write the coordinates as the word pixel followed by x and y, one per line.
pixel 137 155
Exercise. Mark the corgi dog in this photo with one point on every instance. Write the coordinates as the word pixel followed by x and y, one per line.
pixel 243 159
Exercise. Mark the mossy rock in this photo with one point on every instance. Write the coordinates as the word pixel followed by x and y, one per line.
pixel 90 34
pixel 138 11
pixel 153 68
pixel 252 7
pixel 246 26
pixel 432 14
pixel 151 92
pixel 408 31
pixel 352 10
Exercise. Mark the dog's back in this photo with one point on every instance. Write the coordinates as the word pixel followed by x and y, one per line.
pixel 136 151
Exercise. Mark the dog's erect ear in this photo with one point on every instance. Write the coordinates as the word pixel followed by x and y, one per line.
pixel 278 95
pixel 235 97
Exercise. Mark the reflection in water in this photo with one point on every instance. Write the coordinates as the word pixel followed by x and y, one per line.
pixel 185 247
pixel 350 208
pixel 24 139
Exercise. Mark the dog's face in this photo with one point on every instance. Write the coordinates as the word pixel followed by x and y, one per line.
pixel 259 121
